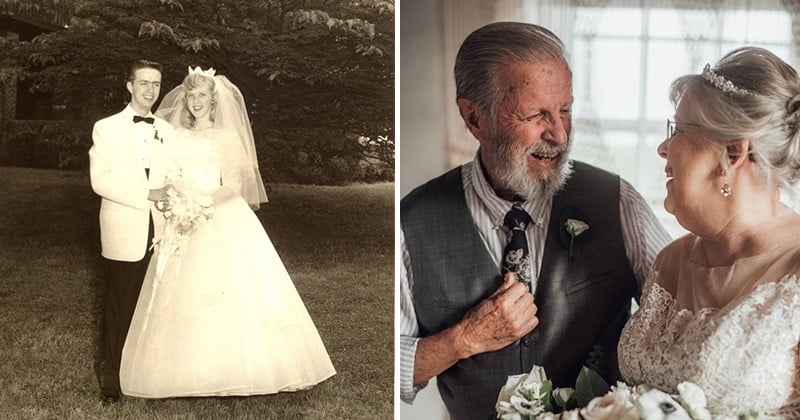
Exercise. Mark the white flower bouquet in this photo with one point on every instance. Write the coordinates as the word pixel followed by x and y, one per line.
pixel 185 211
pixel 532 397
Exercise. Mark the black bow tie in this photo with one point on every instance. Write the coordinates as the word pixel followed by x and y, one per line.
pixel 148 120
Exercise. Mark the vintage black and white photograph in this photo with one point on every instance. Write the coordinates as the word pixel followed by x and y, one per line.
pixel 197 209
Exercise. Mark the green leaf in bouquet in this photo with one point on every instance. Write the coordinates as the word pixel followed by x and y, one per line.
pixel 588 386
pixel 546 392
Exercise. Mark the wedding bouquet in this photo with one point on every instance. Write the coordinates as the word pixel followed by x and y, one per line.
pixel 185 211
pixel 532 397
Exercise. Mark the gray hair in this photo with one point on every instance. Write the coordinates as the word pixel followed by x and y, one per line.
pixel 494 45
pixel 767 115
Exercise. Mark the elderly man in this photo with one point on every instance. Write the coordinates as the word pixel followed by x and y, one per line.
pixel 494 278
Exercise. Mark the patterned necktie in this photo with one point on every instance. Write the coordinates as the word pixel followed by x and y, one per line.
pixel 516 257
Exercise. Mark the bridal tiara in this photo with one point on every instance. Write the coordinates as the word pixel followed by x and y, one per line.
pixel 723 84
pixel 208 73
pixel 197 70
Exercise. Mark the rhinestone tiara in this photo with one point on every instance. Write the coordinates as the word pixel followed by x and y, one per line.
pixel 723 84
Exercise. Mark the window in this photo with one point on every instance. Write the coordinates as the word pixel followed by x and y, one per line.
pixel 624 59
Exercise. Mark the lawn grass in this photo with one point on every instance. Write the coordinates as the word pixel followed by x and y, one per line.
pixel 336 242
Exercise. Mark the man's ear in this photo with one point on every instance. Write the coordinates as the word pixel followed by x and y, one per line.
pixel 473 118
pixel 129 85
pixel 737 152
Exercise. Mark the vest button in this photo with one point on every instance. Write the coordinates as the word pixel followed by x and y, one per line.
pixel 526 342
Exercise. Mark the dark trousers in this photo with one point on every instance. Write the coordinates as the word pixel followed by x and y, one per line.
pixel 123 281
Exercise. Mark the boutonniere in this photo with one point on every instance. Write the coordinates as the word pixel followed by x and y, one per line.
pixel 573 229
pixel 156 137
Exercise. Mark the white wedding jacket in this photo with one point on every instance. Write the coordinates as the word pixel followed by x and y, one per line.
pixel 118 177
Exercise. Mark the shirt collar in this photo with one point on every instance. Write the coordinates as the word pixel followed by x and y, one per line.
pixel 129 110
pixel 496 206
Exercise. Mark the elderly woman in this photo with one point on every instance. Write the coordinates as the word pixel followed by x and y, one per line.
pixel 721 307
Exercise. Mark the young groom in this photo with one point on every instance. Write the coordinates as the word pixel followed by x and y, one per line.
pixel 129 163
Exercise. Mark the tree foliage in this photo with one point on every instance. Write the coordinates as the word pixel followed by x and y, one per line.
pixel 318 75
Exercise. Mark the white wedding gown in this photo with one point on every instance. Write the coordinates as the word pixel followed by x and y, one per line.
pixel 224 318
pixel 743 354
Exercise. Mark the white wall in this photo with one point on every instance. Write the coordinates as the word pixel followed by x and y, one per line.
pixel 422 145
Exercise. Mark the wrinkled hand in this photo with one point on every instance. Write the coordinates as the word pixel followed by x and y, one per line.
pixel 504 317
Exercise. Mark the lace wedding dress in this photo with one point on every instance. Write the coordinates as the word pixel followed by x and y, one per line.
pixel 743 353
pixel 224 318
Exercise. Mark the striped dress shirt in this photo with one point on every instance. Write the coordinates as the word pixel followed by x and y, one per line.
pixel 642 234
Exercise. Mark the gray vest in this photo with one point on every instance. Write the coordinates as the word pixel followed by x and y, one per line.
pixel 583 300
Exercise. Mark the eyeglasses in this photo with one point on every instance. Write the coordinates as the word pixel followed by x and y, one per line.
pixel 670 128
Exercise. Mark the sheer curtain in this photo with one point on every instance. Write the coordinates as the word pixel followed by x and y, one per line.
pixel 623 53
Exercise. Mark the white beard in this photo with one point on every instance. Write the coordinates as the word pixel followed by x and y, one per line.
pixel 512 172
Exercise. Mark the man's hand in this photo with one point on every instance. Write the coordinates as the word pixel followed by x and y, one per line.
pixel 159 194
pixel 504 317
pixel 160 197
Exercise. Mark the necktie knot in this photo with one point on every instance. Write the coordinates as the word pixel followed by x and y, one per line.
pixel 516 218
pixel 148 120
